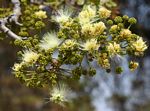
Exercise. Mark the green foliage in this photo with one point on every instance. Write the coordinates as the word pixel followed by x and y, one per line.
pixel 31 24
pixel 4 12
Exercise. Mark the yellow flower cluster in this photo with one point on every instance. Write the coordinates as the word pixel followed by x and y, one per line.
pixel 133 65
pixel 68 44
pixel 113 48
pixel 87 14
pixel 125 33
pixel 91 45
pixel 104 61
pixel 93 29
pixel 104 13
pixel 41 14
pixel 139 46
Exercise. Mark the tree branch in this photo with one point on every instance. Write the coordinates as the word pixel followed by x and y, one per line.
pixel 12 18
pixel 36 1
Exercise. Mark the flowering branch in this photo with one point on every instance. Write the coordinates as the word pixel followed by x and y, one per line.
pixel 81 39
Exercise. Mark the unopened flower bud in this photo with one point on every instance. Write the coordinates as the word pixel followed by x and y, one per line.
pixel 125 17
pixel 118 19
pixel 132 20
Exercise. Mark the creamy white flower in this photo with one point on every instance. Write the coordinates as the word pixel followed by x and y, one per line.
pixel 125 33
pixel 87 14
pixel 87 28
pixel 90 45
pixel 93 29
pixel 139 45
pixel 60 94
pixel 63 15
pixel 113 48
pixel 50 40
pixel 98 28
pixel 29 56
pixel 41 14
pixel 104 13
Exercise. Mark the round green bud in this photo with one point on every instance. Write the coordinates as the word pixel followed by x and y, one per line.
pixel 28 12
pixel 39 25
pixel 118 19
pixel 125 17
pixel 134 36
pixel 108 70
pixel 110 22
pixel 23 33
pixel 40 69
pixel 101 37
pixel 28 18
pixel 119 70
pixel 121 25
pixel 17 42
pixel 84 72
pixel 92 72
pixel 35 41
pixel 132 20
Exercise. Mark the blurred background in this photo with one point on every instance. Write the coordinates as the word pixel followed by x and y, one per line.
pixel 129 91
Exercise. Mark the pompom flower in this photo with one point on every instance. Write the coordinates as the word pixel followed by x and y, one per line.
pixel 87 29
pixel 113 48
pixel 91 45
pixel 63 15
pixel 87 14
pixel 30 56
pixel 93 29
pixel 104 13
pixel 125 33
pixel 50 40
pixel 98 28
pixel 139 46
pixel 60 94
pixel 41 14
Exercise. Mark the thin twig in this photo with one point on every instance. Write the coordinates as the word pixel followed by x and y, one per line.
pixel 12 18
